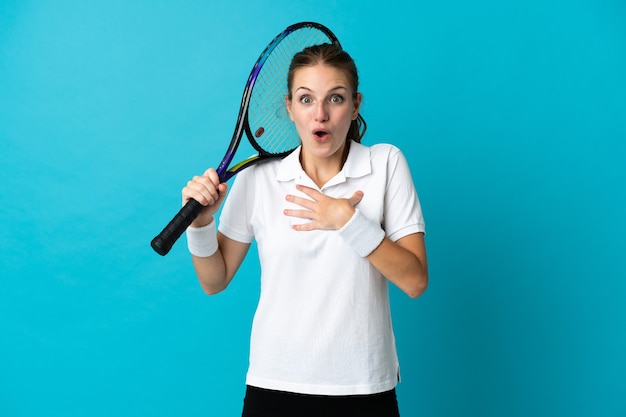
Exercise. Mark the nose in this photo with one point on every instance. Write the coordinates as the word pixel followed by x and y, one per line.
pixel 321 112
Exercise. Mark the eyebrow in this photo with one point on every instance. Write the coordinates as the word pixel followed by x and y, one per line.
pixel 339 87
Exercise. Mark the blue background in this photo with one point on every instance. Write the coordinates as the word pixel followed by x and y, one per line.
pixel 512 115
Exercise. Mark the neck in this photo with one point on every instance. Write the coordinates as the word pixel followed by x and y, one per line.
pixel 321 170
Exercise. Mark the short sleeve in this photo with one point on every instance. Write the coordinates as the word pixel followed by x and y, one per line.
pixel 236 215
pixel 403 212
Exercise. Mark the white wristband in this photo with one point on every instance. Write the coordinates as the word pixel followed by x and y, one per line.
pixel 362 234
pixel 202 241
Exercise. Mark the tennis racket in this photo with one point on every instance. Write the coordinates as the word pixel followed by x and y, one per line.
pixel 262 117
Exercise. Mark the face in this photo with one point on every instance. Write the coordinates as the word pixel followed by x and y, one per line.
pixel 322 107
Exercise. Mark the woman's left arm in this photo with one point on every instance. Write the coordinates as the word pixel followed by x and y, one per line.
pixel 403 262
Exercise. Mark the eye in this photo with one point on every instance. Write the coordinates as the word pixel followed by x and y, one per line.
pixel 336 98
pixel 306 100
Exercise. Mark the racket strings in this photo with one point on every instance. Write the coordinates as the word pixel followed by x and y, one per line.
pixel 268 118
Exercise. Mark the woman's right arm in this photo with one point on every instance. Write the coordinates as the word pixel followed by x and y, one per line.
pixel 217 270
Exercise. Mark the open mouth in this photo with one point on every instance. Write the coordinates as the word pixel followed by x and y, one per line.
pixel 320 134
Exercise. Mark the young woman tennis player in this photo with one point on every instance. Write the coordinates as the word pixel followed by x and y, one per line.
pixel 334 222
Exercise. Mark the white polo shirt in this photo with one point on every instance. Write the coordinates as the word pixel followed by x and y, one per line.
pixel 323 323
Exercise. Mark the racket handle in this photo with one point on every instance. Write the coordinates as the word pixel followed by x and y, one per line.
pixel 164 241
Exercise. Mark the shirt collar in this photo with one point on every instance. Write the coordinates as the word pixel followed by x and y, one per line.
pixel 357 165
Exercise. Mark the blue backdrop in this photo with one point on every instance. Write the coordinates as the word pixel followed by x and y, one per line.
pixel 512 116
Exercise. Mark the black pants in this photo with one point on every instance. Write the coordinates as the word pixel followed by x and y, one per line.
pixel 267 403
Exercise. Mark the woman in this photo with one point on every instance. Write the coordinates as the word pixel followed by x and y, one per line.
pixel 334 222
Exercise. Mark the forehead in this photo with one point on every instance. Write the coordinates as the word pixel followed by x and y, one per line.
pixel 320 74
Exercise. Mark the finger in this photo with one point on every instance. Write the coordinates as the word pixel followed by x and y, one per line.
pixel 356 198
pixel 301 214
pixel 222 190
pixel 305 227
pixel 303 202
pixel 311 192
pixel 212 175
pixel 203 184
pixel 190 193
pixel 202 189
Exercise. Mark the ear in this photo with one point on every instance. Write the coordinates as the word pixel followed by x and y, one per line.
pixel 288 106
pixel 357 106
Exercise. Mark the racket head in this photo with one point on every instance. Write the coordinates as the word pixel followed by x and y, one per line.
pixel 263 117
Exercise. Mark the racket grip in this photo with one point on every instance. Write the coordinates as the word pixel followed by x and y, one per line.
pixel 163 242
